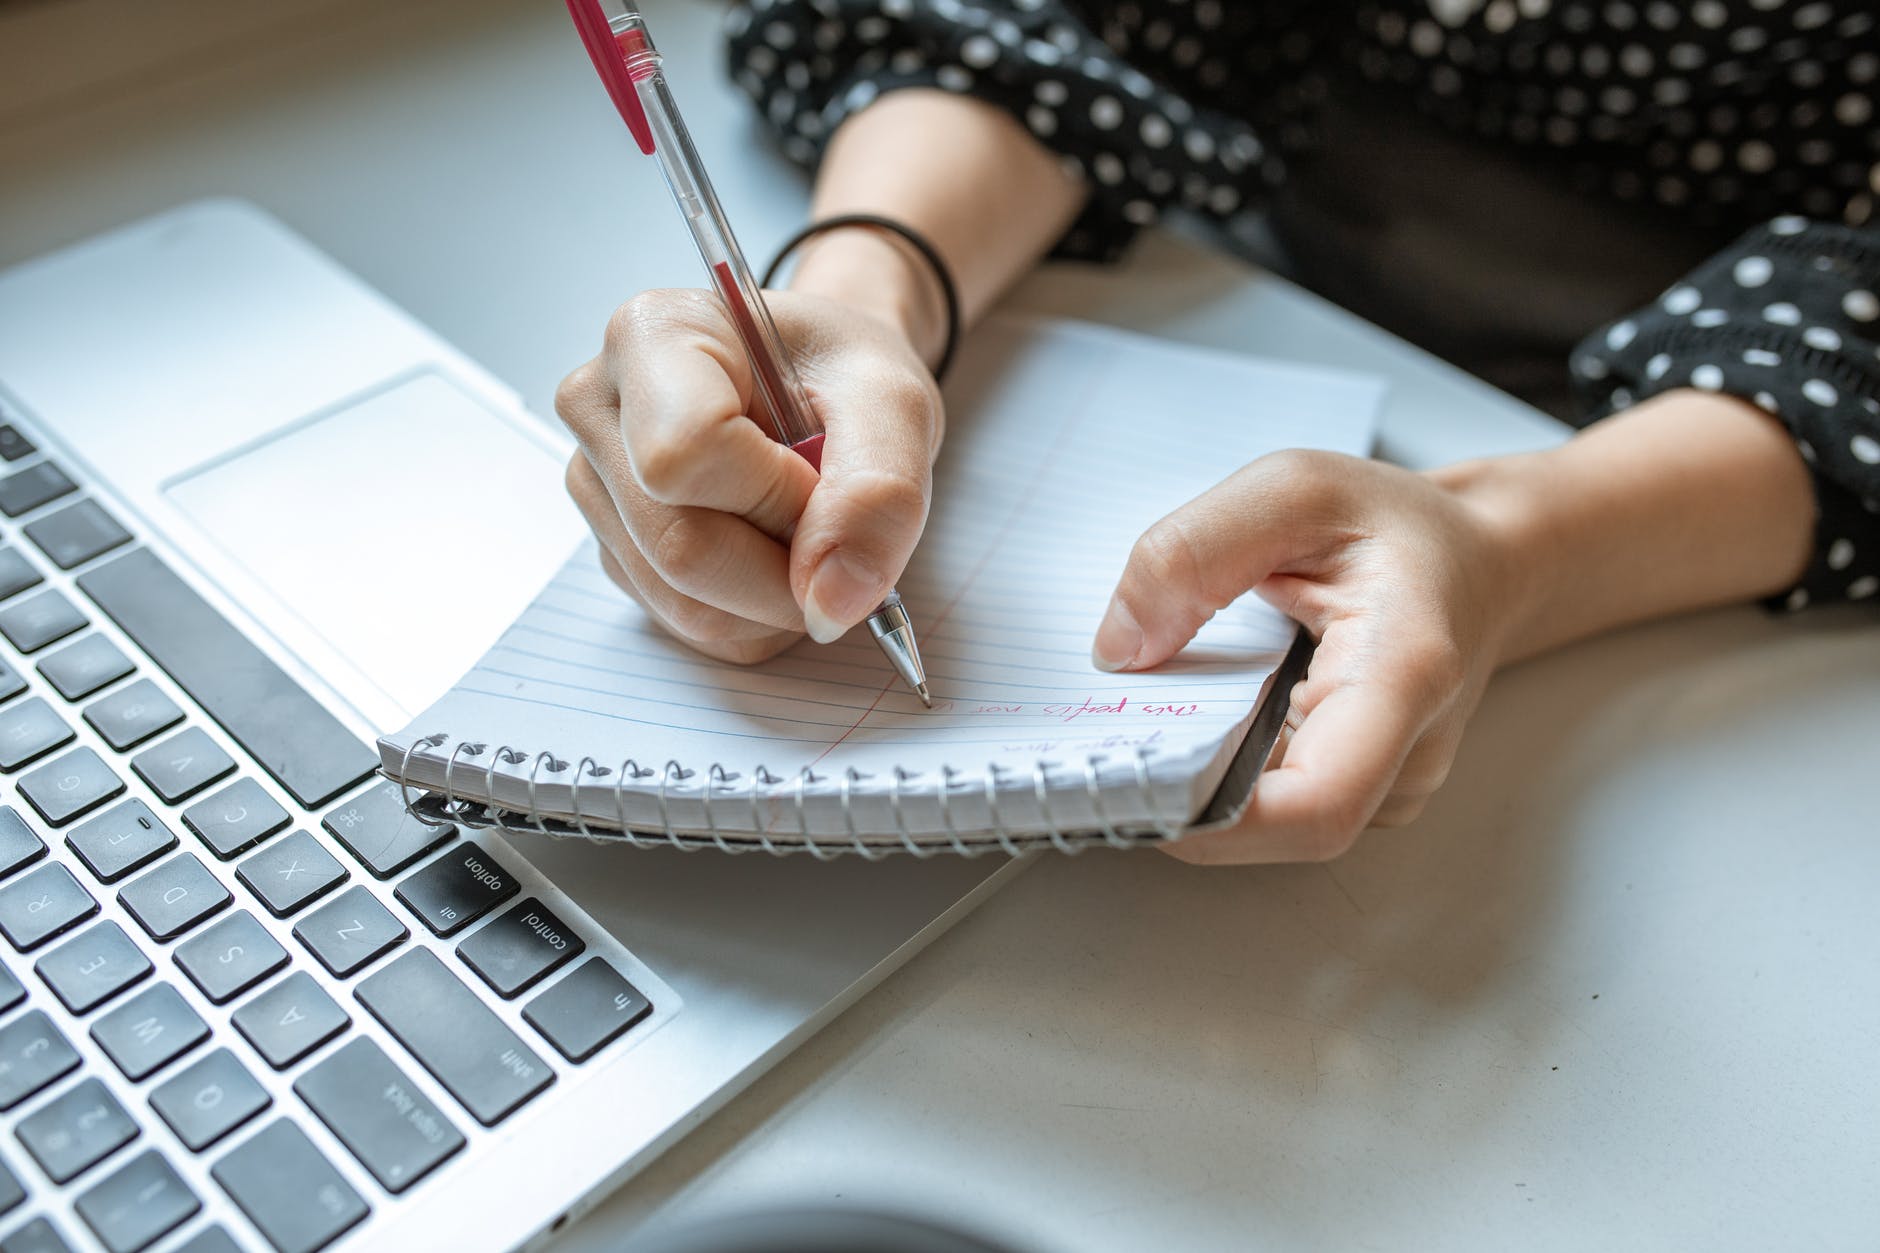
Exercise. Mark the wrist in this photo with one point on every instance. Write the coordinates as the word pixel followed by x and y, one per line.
pixel 878 275
pixel 1686 501
pixel 1505 499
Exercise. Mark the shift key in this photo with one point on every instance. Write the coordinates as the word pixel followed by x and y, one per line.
pixel 469 1050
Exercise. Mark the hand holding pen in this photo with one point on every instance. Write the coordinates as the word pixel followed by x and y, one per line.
pixel 689 418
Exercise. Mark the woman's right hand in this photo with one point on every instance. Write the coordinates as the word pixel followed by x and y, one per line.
pixel 727 538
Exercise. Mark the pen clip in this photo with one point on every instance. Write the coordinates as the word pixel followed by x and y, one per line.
pixel 610 62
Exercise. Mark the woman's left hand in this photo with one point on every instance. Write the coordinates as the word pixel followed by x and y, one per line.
pixel 1407 584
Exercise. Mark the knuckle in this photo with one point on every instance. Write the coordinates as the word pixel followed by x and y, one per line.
pixel 685 555
pixel 1165 555
pixel 1421 783
pixel 629 321
pixel 645 314
pixel 1293 476
pixel 664 465
pixel 910 396
pixel 587 489
pixel 1288 465
pixel 696 622
pixel 889 500
pixel 1310 466
pixel 575 393
pixel 745 652
pixel 575 477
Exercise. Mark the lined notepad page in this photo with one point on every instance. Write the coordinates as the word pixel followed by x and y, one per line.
pixel 1064 443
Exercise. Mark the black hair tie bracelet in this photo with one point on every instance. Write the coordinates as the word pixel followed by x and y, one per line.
pixel 920 245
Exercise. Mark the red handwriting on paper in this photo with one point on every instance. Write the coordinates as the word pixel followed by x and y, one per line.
pixel 1089 707
pixel 1071 713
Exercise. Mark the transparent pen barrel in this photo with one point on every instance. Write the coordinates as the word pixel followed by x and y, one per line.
pixel 784 402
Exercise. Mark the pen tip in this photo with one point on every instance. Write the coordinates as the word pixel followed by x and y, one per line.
pixel 926 696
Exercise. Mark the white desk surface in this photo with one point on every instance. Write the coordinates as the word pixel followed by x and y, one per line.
pixel 1616 989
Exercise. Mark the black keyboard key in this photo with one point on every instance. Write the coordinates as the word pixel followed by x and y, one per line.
pixel 351 931
pixel 174 897
pixel 28 731
pixel 32 1054
pixel 133 714
pixel 289 1190
pixel 521 948
pixel 294 737
pixel 45 903
pixel 290 873
pixel 12 991
pixel 38 1236
pixel 290 1020
pixel 41 618
pixel 385 1122
pixel 75 784
pixel 457 889
pixel 20 845
pixel 77 533
pixel 74 1132
pixel 230 957
pixel 25 490
pixel 209 1098
pixel 92 967
pixel 454 1035
pixel 236 818
pixel 137 1204
pixel 587 1010
pixel 123 838
pixel 16 573
pixel 149 1031
pixel 78 670
pixel 12 1191
pixel 209 1240
pixel 182 765
pixel 14 445
pixel 375 828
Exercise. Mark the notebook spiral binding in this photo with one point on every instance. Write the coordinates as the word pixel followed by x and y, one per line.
pixel 722 786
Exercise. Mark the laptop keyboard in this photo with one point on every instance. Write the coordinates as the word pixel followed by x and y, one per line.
pixel 202 918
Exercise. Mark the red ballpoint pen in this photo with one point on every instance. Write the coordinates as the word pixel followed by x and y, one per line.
pixel 629 66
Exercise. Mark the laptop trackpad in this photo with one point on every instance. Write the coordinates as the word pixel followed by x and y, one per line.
pixel 392 539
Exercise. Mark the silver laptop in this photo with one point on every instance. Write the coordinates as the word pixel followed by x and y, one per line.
pixel 252 514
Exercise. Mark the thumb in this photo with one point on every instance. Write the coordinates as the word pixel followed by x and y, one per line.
pixel 1201 558
pixel 866 512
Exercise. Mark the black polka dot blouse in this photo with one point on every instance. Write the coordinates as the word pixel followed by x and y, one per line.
pixel 1733 115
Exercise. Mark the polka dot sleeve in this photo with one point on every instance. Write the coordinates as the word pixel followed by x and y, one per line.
pixel 1141 149
pixel 1788 318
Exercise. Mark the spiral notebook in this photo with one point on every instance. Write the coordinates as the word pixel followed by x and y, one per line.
pixel 1065 441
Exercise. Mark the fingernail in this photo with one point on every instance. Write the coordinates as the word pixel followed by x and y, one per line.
pixel 841 593
pixel 1118 640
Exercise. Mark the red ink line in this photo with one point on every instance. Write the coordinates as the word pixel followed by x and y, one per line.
pixel 1005 528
